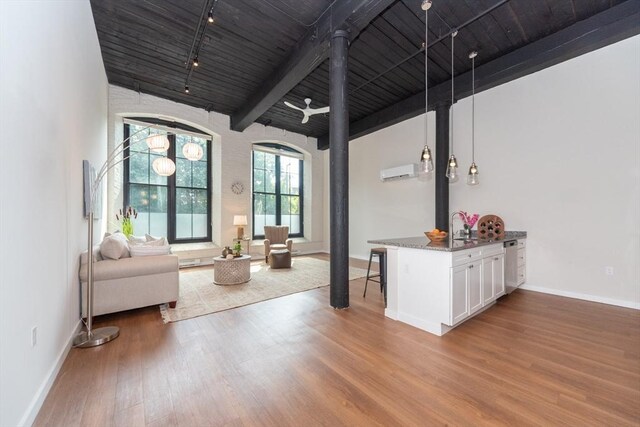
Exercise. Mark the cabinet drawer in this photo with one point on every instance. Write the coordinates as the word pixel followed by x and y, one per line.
pixel 522 243
pixel 522 257
pixel 522 274
pixel 465 257
pixel 492 250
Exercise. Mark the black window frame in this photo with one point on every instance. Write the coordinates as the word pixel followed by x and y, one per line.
pixel 278 194
pixel 171 180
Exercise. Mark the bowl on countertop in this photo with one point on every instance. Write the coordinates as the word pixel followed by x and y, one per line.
pixel 436 237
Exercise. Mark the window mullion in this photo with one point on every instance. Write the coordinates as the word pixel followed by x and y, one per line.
pixel 278 207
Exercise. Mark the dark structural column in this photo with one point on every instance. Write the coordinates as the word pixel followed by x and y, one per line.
pixel 339 169
pixel 442 158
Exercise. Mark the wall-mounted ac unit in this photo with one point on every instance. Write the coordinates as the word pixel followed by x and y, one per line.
pixel 399 172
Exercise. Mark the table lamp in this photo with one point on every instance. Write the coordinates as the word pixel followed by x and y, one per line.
pixel 240 221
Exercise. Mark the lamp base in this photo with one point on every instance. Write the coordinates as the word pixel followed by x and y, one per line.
pixel 240 232
pixel 98 337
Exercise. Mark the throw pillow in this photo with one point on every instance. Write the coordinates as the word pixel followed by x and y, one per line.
pixel 151 238
pixel 149 249
pixel 114 246
pixel 137 239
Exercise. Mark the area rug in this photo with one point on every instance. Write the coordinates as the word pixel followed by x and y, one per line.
pixel 200 296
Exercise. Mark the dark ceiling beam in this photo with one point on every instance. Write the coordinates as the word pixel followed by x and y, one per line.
pixel 614 24
pixel 309 52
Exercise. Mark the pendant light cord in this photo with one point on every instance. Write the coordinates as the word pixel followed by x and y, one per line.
pixel 453 34
pixel 473 109
pixel 426 77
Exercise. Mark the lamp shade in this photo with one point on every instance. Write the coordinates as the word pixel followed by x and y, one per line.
pixel 239 220
pixel 164 166
pixel 158 143
pixel 192 151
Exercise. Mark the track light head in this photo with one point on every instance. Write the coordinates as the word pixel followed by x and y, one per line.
pixel 195 62
pixel 210 17
pixel 186 89
pixel 426 4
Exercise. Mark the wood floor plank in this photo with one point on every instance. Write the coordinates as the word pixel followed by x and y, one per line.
pixel 531 359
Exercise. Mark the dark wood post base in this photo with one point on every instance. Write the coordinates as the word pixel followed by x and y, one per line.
pixel 172 304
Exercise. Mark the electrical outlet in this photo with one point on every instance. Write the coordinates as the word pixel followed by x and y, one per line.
pixel 608 271
pixel 34 336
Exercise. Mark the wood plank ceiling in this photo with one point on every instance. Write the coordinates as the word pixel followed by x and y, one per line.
pixel 146 45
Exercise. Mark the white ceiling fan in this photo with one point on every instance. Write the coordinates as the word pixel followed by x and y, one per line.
pixel 308 112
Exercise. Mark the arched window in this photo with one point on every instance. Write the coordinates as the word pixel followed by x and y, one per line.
pixel 177 206
pixel 277 188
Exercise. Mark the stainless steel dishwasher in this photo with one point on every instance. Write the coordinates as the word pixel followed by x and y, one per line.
pixel 510 265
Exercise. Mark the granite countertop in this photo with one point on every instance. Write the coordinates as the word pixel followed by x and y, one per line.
pixel 446 246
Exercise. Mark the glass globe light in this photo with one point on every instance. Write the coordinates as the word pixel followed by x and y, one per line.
pixel 472 178
pixel 452 169
pixel 426 160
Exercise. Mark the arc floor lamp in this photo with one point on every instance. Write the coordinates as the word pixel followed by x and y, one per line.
pixel 158 143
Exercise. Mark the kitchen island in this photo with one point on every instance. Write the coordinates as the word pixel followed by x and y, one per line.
pixel 435 286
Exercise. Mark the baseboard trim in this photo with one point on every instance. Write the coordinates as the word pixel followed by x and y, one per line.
pixel 36 403
pixel 586 297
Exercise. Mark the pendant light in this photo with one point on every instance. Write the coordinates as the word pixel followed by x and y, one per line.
pixel 426 160
pixel 452 167
pixel 192 151
pixel 158 143
pixel 472 178
pixel 164 166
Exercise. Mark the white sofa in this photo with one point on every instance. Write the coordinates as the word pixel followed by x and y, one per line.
pixel 130 282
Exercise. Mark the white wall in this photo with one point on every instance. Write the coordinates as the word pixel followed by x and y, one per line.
pixel 231 155
pixel 559 157
pixel 53 113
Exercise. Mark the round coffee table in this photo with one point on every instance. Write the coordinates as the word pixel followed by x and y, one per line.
pixel 232 271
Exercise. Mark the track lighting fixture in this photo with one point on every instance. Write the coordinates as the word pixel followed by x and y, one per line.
pixel 195 62
pixel 186 89
pixel 210 17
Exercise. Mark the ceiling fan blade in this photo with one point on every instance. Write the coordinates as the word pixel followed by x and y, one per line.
pixel 305 119
pixel 290 105
pixel 319 110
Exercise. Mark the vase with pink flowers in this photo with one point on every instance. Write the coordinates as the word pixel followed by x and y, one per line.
pixel 469 221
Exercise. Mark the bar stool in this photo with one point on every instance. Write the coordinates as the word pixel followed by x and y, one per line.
pixel 382 259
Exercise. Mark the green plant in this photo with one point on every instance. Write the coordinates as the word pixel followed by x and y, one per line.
pixel 126 220
pixel 237 248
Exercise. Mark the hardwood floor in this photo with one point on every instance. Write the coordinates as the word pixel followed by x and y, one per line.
pixel 532 359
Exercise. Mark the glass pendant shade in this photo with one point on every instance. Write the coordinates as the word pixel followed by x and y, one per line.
pixel 452 169
pixel 426 161
pixel 192 151
pixel 472 178
pixel 164 166
pixel 158 143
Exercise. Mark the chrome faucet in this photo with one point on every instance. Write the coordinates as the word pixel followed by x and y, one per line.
pixel 453 215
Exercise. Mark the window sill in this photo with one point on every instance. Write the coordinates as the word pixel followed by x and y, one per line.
pixel 260 242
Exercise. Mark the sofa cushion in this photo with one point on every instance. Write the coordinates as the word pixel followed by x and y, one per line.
pixel 114 246
pixel 131 267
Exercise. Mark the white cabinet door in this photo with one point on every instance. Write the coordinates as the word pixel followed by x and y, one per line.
pixel 459 309
pixel 497 263
pixel 488 293
pixel 474 279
